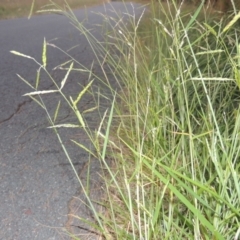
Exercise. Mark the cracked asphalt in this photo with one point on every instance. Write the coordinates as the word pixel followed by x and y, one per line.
pixel 39 192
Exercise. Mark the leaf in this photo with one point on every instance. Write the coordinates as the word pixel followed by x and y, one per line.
pixel 66 76
pixel 74 69
pixel 25 81
pixel 230 24
pixel 62 64
pixel 104 149
pixel 38 102
pixel 238 55
pixel 56 111
pixel 193 18
pixel 237 76
pixel 236 67
pixel 84 148
pixel 78 114
pixel 37 78
pixel 44 53
pixel 31 10
pixel 40 92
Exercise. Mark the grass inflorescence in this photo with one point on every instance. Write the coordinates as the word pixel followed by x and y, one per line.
pixel 172 132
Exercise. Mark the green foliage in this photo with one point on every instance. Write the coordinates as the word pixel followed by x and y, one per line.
pixel 177 170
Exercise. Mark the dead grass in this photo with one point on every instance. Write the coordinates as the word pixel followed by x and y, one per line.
pixel 20 8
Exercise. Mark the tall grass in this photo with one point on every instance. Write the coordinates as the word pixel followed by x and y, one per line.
pixel 172 132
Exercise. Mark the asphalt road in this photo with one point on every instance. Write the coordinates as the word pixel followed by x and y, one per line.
pixel 38 188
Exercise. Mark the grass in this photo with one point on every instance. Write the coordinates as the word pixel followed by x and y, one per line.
pixel 172 131
pixel 21 8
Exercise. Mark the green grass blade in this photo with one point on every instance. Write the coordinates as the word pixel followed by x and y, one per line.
pixel 44 53
pixel 37 78
pixel 194 17
pixel 83 92
pixel 231 23
pixel 66 76
pixel 105 144
pixel 31 10
pixel 56 111
pixel 24 80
